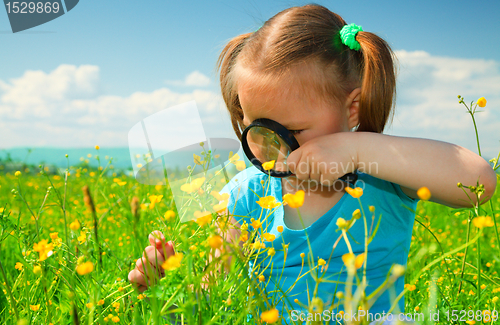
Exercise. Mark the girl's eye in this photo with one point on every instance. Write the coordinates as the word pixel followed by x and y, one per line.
pixel 295 132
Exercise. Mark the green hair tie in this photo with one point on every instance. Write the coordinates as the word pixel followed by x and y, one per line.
pixel 348 36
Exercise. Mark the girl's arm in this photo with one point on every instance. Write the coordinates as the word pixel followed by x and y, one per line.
pixel 413 163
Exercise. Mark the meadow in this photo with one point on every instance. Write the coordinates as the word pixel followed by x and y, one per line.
pixel 69 237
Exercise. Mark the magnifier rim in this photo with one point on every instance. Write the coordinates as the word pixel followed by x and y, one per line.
pixel 274 126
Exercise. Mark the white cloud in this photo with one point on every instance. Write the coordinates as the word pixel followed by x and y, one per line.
pixel 194 79
pixel 66 107
pixel 427 103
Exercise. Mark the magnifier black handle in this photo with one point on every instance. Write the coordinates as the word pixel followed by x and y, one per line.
pixel 350 178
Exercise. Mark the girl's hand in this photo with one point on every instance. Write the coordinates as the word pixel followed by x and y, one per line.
pixel 325 158
pixel 148 269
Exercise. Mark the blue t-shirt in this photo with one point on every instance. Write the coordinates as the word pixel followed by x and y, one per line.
pixel 390 245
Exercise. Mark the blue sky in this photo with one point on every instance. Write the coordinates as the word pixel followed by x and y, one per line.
pixel 106 65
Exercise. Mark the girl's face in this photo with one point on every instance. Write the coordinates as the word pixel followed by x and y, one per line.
pixel 296 106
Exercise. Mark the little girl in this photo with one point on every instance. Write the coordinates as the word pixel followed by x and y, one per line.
pixel 332 86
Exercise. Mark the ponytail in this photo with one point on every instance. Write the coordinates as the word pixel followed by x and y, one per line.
pixel 225 64
pixel 378 88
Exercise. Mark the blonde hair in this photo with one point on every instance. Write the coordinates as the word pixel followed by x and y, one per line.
pixel 310 35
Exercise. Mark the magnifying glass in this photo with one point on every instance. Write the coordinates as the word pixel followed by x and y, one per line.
pixel 266 140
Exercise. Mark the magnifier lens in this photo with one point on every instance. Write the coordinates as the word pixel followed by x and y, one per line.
pixel 267 145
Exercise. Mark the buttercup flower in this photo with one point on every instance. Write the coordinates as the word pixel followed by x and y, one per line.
pixel 75 225
pixel 119 181
pixel 19 266
pixel 37 270
pixel 197 159
pixel 85 268
pixel 482 222
pixel 341 223
pixel 169 215
pixel 154 199
pixel 233 158
pixel 350 260
pixel 17 174
pixel 295 200
pixel 270 316
pixel 44 249
pixel 240 165
pixel 172 262
pixel 193 186
pixel 481 102
pixel 354 192
pixel 424 193
pixel 35 307
pixel 256 224
pixel 269 237
pixel 202 218
pixel 215 241
pixel 268 165
pixel 268 202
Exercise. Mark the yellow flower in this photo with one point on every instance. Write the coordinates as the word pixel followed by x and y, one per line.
pixel 244 236
pixel 35 307
pixel 96 147
pixel 221 206
pixel 295 200
pixel 89 305
pixel 197 159
pixel 75 225
pixel 342 223
pixel 37 270
pixel 169 215
pixel 100 302
pixel 321 262
pixel 44 249
pixel 481 102
pixel 85 268
pixel 494 300
pixel 354 192
pixel 358 262
pixel 202 218
pixel 271 251
pixel 18 173
pixel 270 316
pixel 240 165
pixel 54 235
pixel 154 199
pixel 372 208
pixel 233 158
pixel 19 266
pixel 424 193
pixel 173 262
pixel 356 214
pixel 215 241
pixel 280 228
pixel 256 224
pixel 262 278
pixel 268 165
pixel 482 222
pixel 115 319
pixel 82 238
pixel 350 259
pixel 411 287
pixel 269 237
pixel 193 186
pixel 220 197
pixel 119 181
pixel 268 202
